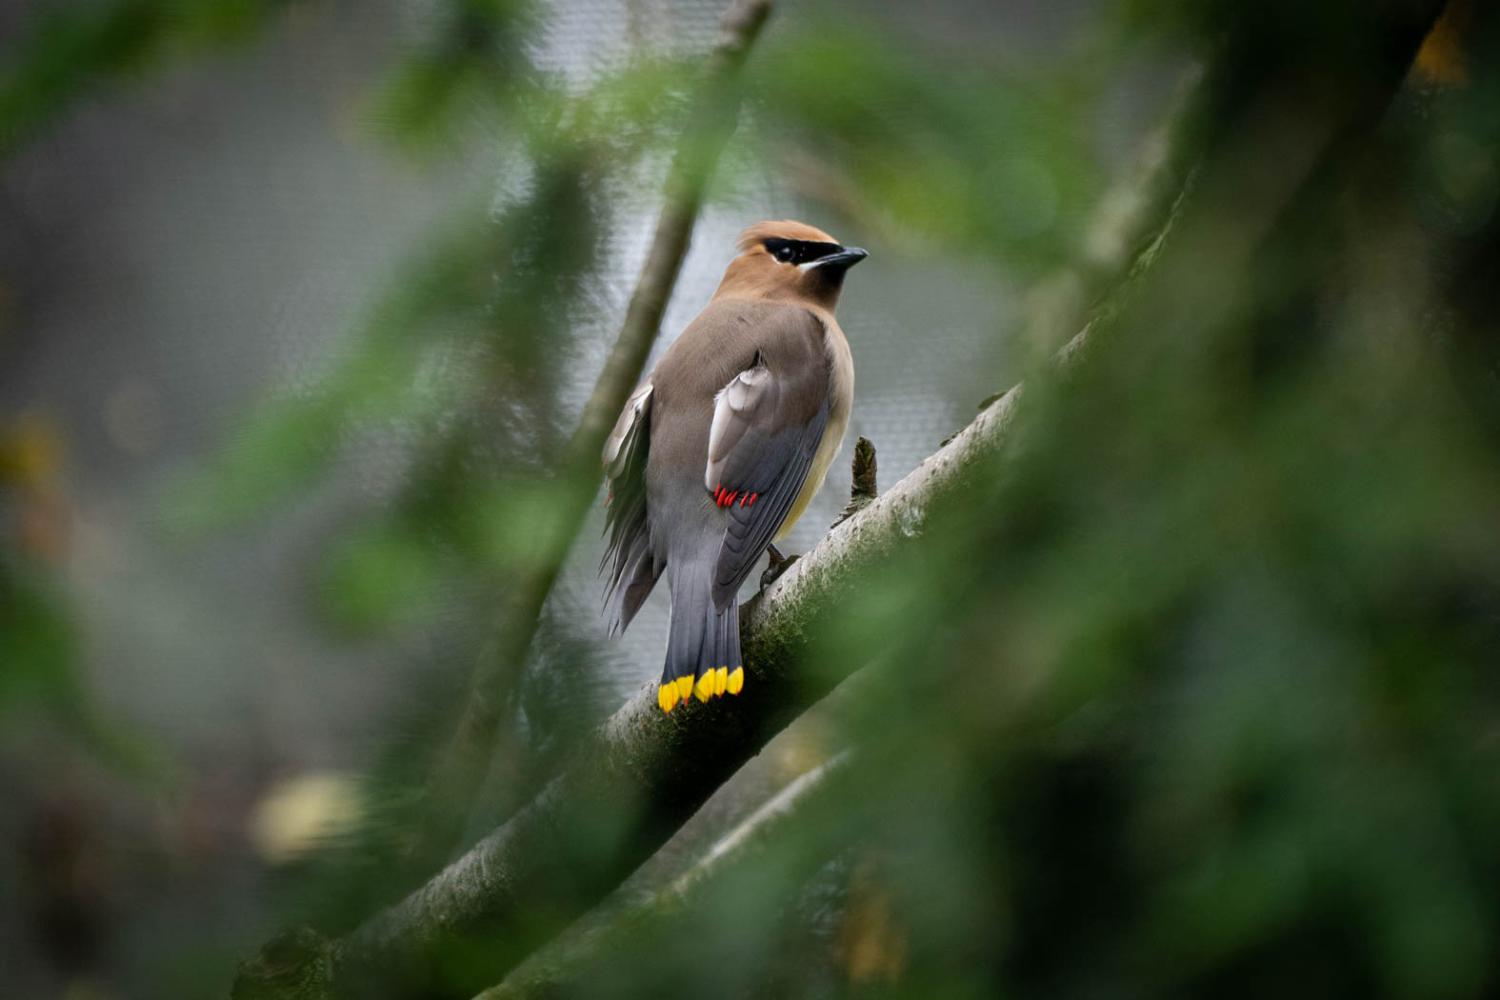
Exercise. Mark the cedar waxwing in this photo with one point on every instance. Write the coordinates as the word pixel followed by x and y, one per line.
pixel 720 451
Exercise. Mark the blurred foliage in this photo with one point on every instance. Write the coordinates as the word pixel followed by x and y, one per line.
pixel 68 50
pixel 42 680
pixel 961 156
pixel 1215 712
pixel 476 60
pixel 1193 694
pixel 36 642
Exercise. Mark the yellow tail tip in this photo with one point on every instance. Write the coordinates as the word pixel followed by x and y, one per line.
pixel 684 688
pixel 667 697
pixel 705 689
pixel 735 681
pixel 721 680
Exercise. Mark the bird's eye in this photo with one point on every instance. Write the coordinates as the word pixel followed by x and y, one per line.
pixel 785 254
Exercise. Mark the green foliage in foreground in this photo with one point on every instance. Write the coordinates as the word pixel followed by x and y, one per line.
pixel 66 52
pixel 1194 694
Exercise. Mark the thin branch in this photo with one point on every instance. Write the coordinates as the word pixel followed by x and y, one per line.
pixel 1129 215
pixel 66 53
pixel 564 959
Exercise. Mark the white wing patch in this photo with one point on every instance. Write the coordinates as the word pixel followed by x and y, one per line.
pixel 615 452
pixel 735 407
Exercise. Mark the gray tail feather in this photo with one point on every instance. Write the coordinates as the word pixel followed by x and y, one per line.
pixel 628 558
pixel 638 571
pixel 702 638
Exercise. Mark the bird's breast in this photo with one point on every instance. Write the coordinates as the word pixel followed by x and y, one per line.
pixel 840 404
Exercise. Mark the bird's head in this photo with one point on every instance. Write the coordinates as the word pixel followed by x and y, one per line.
pixel 789 260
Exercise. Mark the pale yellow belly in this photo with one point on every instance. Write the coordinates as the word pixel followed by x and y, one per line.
pixel 841 388
pixel 828 448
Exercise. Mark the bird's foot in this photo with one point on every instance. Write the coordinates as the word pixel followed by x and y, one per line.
pixel 779 564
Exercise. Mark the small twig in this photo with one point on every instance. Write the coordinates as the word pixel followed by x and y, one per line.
pixel 862 486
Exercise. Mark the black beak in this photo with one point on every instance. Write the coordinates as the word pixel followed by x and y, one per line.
pixel 840 262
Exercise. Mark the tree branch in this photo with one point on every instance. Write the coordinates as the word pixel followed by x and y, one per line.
pixel 564 959
pixel 644 773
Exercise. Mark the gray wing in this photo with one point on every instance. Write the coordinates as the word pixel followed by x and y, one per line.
pixel 767 423
pixel 628 554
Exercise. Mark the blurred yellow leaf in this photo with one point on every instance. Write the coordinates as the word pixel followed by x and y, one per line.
pixel 302 812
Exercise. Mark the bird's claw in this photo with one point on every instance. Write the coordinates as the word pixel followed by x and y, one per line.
pixel 778 565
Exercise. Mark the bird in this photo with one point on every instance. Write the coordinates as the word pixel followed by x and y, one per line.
pixel 719 451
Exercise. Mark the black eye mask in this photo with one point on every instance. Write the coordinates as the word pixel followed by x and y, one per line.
pixel 799 251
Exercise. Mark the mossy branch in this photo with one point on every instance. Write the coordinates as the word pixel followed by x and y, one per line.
pixel 560 964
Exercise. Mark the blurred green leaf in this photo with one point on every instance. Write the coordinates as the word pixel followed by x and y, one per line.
pixel 68 51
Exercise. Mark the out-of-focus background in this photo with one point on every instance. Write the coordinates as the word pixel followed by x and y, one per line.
pixel 298 300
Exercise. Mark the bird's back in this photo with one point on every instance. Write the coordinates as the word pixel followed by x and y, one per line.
pixel 722 342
